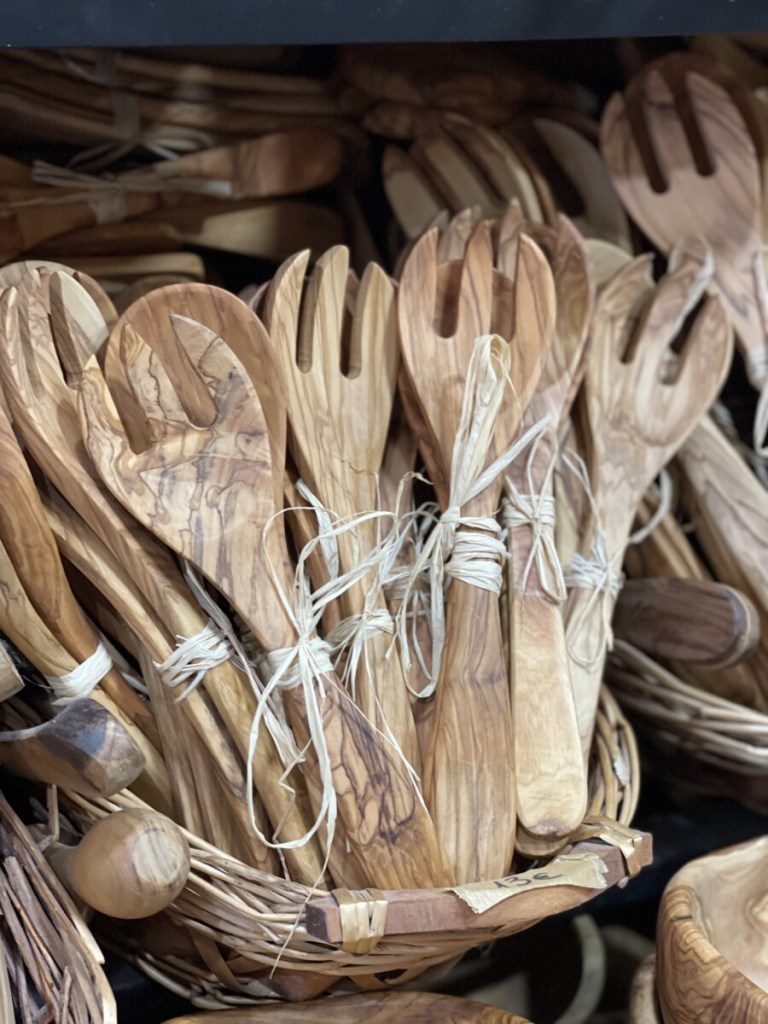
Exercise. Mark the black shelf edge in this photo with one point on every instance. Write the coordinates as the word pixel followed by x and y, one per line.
pixel 53 23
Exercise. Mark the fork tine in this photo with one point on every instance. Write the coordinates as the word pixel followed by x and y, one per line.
pixel 373 343
pixel 103 430
pixel 284 292
pixel 456 176
pixel 475 304
pixel 419 278
pixel 78 337
pixel 149 384
pixel 619 306
pixel 322 315
pixel 453 241
pixel 665 132
pixel 535 307
pixel 735 143
pixel 706 355
pixel 508 240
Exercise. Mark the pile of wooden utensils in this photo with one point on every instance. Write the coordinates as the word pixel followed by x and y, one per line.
pixel 329 569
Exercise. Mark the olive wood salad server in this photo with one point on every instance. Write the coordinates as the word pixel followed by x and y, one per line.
pixel 208 493
pixel 339 408
pixel 83 748
pixel 550 775
pixel 229 690
pixel 642 401
pixel 469 770
pixel 682 159
pixel 45 412
pixel 215 808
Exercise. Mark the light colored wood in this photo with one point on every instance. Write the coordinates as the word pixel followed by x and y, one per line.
pixel 371 1008
pixel 414 199
pixel 712 939
pixel 636 423
pixel 605 260
pixel 219 528
pixel 83 748
pixel 674 199
pixel 45 412
pixel 666 551
pixel 339 421
pixel 578 158
pixel 706 623
pixel 469 771
pixel 550 775
pixel 129 865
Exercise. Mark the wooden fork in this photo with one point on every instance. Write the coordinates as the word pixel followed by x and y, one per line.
pixel 208 493
pixel 639 415
pixel 682 159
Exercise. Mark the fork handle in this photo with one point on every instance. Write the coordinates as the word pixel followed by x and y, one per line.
pixel 469 777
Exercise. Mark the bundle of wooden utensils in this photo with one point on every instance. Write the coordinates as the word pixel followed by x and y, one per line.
pixel 326 573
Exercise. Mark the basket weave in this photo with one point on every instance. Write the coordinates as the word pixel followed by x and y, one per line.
pixel 683 719
pixel 238 923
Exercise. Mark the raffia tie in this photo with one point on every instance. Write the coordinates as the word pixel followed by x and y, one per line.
pixel 193 657
pixel 474 557
pixel 363 918
pixel 83 679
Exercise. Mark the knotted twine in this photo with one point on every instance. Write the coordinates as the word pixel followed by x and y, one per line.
pixel 472 557
pixel 537 511
pixel 600 573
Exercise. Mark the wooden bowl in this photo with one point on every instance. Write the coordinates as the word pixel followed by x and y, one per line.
pixel 643 1000
pixel 373 1008
pixel 712 942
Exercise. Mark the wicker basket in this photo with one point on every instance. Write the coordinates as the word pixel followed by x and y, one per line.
pixel 236 935
pixel 50 961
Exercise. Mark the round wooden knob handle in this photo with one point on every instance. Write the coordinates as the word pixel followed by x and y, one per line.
pixel 131 864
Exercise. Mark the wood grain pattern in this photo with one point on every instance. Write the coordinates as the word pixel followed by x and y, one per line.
pixel 468 773
pixel 45 412
pixel 371 1008
pixel 637 421
pixel 646 147
pixel 690 620
pixel 711 952
pixel 550 775
pixel 130 864
pixel 208 492
pixel 10 680
pixel 83 748
pixel 339 417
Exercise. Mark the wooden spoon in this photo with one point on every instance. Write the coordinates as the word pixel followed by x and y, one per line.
pixel 130 864
pixel 469 774
pixel 83 748
pixel 219 527
pixel 638 418
pixel 682 160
